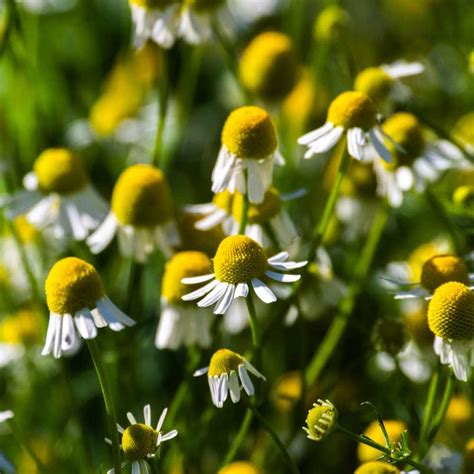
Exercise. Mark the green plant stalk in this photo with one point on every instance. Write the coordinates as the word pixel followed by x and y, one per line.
pixel 383 449
pixel 163 96
pixel 339 323
pixel 285 454
pixel 108 401
pixel 239 438
pixel 244 215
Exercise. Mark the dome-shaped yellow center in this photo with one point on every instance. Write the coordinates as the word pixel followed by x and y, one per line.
pixel 331 24
pixel 374 82
pixel 26 232
pixel 139 441
pixel 451 312
pixel 23 327
pixel 224 361
pixel 142 197
pixel 239 259
pixel 459 410
pixel 183 265
pixel 353 109
pixel 394 428
pixel 321 420
pixel 288 391
pixel 269 67
pixel 152 4
pixel 240 467
pixel 249 133
pixel 377 467
pixel 72 284
pixel 204 5
pixel 405 130
pixel 58 170
pixel 258 213
pixel 441 269
pixel 224 200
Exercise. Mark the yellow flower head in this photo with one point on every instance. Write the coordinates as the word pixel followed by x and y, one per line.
pixel 142 197
pixel 183 265
pixel 288 391
pixel 147 64
pixel 239 259
pixel 58 170
pixel 139 441
pixel 258 213
pixel 451 312
pixel 441 269
pixel 459 412
pixel 249 133
pixel 394 428
pixel 72 284
pixel 353 109
pixel 388 335
pixel 26 232
pixel 224 201
pixel 419 256
pixel 332 24
pixel 224 361
pixel 22 327
pixel 464 196
pixel 240 467
pixel 269 67
pixel 321 420
pixel 405 129
pixel 374 82
pixel 377 467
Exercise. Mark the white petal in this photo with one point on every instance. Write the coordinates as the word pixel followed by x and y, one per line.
pixel 241 290
pixel 245 379
pixel 197 279
pixel 379 146
pixel 147 414
pixel 355 142
pixel 85 324
pixel 199 372
pixel 324 143
pixel 194 295
pixel 403 69
pixel 284 278
pixel 234 387
pixel 214 295
pixel 224 304
pixel 131 418
pixel 103 235
pixel 170 435
pixel 262 291
pixel 162 419
pixel 279 257
pixel 315 134
pixel 287 265
pixel 214 218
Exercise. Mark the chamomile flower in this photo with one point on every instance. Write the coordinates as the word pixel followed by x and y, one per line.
pixel 332 24
pixel 141 215
pixel 77 302
pixel 354 114
pixel 58 195
pixel 140 441
pixel 240 262
pixel 181 323
pixel 249 150
pixel 227 208
pixel 321 420
pixel 436 271
pixel 383 83
pixel 223 374
pixel 450 318
pixel 417 160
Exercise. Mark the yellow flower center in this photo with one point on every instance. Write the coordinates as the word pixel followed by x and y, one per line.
pixel 441 269
pixel 240 467
pixel 23 327
pixel 224 200
pixel 394 428
pixel 139 441
pixel 183 265
pixel 60 171
pixel 374 82
pixel 377 467
pixel 451 312
pixel 72 284
pixel 249 133
pixel 331 24
pixel 258 213
pixel 321 420
pixel 224 361
pixel 464 196
pixel 288 391
pixel 419 256
pixel 152 4
pixel 388 335
pixel 352 109
pixel 141 197
pixel 204 5
pixel 239 259
pixel 459 411
pixel 269 67
pixel 406 131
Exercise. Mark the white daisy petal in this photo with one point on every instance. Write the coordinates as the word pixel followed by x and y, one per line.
pixel 246 382
pixel 285 278
pixel 200 292
pixel 262 291
pixel 197 279
pixel 162 419
pixel 315 134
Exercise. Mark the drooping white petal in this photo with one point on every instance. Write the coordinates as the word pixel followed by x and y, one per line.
pixel 201 371
pixel 379 146
pixel 241 290
pixel 403 68
pixel 234 387
pixel 214 295
pixel 284 278
pixel 262 291
pixel 103 235
pixel 85 324
pixel 216 217
pixel 246 382
pixel 310 137
pixel 324 143
pixel 197 279
pixel 194 295
pixel 224 304
pixel 355 142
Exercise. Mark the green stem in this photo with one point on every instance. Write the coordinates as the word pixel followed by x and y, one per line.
pixel 288 459
pixel 239 439
pixel 108 401
pixel 244 214
pixel 383 449
pixel 443 408
pixel 256 340
pixel 163 95
pixel 339 323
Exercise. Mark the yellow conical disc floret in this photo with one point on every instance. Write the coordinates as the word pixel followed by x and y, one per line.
pixel 441 269
pixel 407 132
pixel 183 265
pixel 258 213
pixel 451 312
pixel 224 361
pixel 377 467
pixel 23 327
pixel 224 200
pixel 394 428
pixel 269 67
pixel 374 82
pixel 249 133
pixel 459 412
pixel 239 259
pixel 142 197
pixel 288 391
pixel 60 171
pixel 331 24
pixel 72 284
pixel 321 420
pixel 352 109
pixel 240 467
pixel 151 4
pixel 204 5
pixel 139 441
